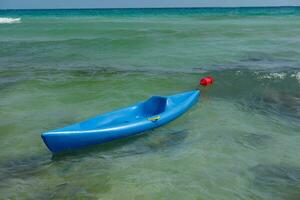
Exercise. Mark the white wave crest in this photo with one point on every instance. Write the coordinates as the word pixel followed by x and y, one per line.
pixel 281 76
pixel 274 76
pixel 297 76
pixel 8 20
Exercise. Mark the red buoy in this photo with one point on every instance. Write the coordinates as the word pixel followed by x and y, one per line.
pixel 206 81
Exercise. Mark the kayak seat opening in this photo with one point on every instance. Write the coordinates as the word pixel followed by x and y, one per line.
pixel 153 106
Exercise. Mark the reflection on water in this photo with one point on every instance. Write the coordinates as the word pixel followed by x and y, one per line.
pixel 149 142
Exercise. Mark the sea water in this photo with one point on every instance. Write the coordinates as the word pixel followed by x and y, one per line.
pixel 241 141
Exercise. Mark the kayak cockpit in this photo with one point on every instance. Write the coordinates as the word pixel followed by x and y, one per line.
pixel 151 107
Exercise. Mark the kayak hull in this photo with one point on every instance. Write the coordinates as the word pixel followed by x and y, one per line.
pixel 152 113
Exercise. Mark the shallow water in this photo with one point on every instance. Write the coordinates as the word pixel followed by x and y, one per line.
pixel 241 141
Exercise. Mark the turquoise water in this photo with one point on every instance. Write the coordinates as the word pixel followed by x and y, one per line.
pixel 241 141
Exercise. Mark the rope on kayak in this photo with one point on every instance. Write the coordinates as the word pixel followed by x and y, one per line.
pixel 153 119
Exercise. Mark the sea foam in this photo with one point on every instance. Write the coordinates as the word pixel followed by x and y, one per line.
pixel 8 20
pixel 297 76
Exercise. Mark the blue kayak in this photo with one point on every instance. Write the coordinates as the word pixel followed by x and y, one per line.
pixel 150 114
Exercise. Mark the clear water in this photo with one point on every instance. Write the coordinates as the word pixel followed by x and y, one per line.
pixel 241 141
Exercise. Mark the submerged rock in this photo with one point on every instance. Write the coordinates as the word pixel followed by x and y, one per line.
pixel 253 140
pixel 167 139
pixel 284 103
pixel 277 181
pixel 23 167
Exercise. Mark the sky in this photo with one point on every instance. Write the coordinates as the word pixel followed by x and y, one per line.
pixel 37 4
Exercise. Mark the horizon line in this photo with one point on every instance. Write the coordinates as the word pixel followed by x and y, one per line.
pixel 171 7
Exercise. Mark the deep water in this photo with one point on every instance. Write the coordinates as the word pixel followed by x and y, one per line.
pixel 241 141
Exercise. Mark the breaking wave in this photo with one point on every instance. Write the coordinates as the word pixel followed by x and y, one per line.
pixel 8 20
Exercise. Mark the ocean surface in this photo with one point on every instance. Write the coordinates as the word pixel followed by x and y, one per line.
pixel 241 141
